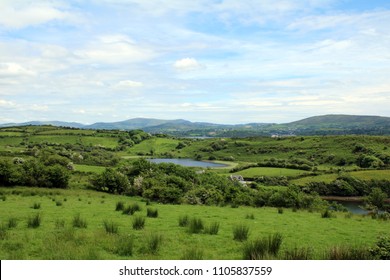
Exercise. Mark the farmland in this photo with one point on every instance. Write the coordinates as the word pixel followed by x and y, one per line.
pixel 65 174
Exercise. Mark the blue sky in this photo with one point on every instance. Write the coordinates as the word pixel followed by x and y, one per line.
pixel 222 61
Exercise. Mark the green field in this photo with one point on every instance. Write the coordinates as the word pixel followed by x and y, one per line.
pixel 57 238
pixel 89 168
pixel 154 145
pixel 270 171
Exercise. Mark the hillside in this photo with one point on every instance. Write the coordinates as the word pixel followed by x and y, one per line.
pixel 317 125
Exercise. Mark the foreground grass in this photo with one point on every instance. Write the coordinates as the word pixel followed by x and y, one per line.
pixel 57 238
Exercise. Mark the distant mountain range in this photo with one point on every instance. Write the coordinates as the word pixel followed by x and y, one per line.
pixel 318 125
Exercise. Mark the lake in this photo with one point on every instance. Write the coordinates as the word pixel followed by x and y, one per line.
pixel 187 162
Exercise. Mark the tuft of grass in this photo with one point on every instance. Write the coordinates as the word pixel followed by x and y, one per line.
pixel 79 222
pixel 212 229
pixel 58 203
pixel 274 243
pixel 120 206
pixel 3 198
pixel 12 222
pixel 326 214
pixel 195 225
pixel 153 243
pixel 131 209
pixel 124 246
pixel 263 248
pixel 138 222
pixel 34 221
pixel 36 205
pixel 193 253
pixel 298 254
pixel 152 213
pixel 280 210
pixel 3 231
pixel 110 227
pixel 250 216
pixel 348 253
pixel 59 223
pixel 240 232
pixel 183 221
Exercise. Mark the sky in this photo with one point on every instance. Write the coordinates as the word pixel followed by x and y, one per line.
pixel 221 61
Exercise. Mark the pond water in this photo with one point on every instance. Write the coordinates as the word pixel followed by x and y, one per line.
pixel 355 207
pixel 187 162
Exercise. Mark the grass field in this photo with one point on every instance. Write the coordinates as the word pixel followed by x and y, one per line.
pixel 157 145
pixel 57 237
pixel 89 168
pixel 270 171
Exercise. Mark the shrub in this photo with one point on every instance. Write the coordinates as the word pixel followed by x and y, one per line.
pixel 193 253
pixel 382 248
pixel 195 225
pixel 151 213
pixel 36 205
pixel 240 232
pixel 34 221
pixel 124 246
pixel 12 223
pixel 110 227
pixel 120 206
pixel 79 222
pixel 183 220
pixel 212 229
pixel 138 222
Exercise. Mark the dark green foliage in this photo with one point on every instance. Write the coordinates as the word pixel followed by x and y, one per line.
pixel 376 199
pixel 58 203
pixel 240 232
pixel 120 206
pixel 110 227
pixel 152 213
pixel 138 222
pixel 34 221
pixel 195 225
pixel 183 220
pixel 131 209
pixel 111 181
pixel 280 210
pixel 212 228
pixel 79 222
pixel 36 205
pixel 381 250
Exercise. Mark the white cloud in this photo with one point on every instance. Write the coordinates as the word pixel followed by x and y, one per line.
pixel 187 64
pixel 128 84
pixel 6 104
pixel 19 14
pixel 117 49
pixel 14 69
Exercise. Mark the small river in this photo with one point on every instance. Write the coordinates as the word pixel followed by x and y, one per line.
pixel 187 162
pixel 355 207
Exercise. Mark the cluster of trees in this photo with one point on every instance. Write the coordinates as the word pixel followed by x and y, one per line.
pixel 295 163
pixel 50 172
pixel 346 185
pixel 170 183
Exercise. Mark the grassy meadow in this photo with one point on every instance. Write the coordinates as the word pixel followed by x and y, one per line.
pixel 104 232
pixel 81 223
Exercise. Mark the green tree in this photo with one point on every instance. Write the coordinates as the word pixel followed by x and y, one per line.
pixel 376 199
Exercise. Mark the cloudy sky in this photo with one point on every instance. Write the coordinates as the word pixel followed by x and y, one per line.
pixel 222 61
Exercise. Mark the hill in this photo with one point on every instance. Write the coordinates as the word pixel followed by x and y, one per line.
pixel 317 125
